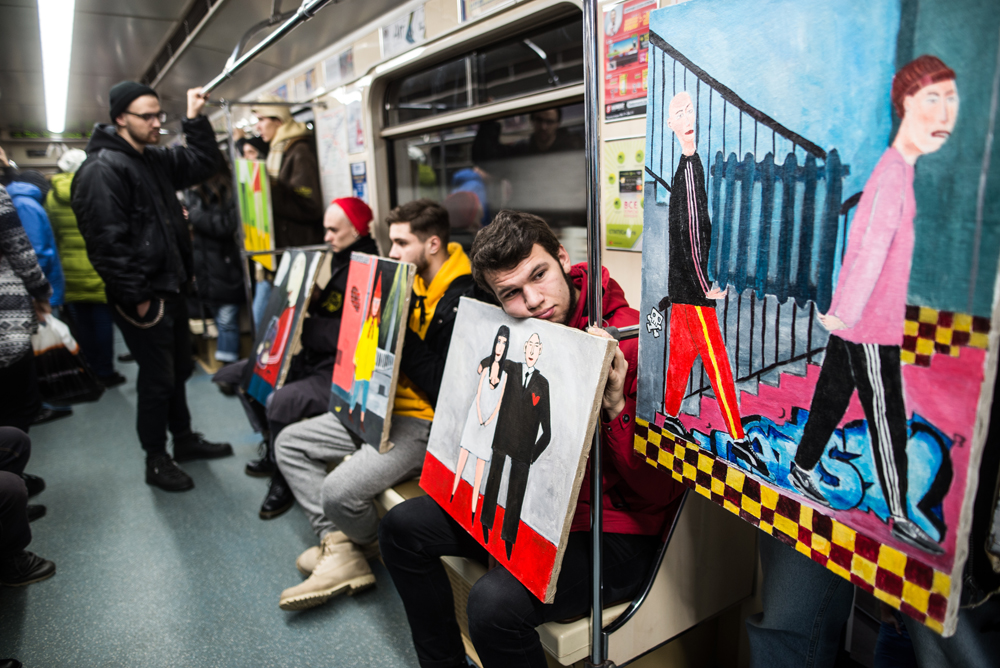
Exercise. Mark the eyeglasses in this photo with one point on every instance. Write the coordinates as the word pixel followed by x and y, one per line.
pixel 160 115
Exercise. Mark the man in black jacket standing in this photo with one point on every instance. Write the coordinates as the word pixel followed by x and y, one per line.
pixel 138 241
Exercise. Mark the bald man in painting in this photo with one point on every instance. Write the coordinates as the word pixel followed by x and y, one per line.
pixel 691 296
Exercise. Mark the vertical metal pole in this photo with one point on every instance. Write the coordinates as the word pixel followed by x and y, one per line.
pixel 245 264
pixel 595 299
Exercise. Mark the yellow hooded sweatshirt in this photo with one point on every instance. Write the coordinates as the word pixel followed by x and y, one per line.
pixel 410 400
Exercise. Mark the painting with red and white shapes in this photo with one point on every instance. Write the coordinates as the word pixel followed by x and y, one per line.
pixel 372 328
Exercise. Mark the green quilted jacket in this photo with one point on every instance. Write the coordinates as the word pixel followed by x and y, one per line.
pixel 82 282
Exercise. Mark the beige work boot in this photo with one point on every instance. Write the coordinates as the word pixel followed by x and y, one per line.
pixel 306 562
pixel 341 568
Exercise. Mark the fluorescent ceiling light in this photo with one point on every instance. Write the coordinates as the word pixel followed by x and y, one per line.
pixel 55 23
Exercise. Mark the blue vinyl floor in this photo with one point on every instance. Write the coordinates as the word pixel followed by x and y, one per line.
pixel 146 578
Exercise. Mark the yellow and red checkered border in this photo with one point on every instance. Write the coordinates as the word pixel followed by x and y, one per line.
pixel 927 331
pixel 913 587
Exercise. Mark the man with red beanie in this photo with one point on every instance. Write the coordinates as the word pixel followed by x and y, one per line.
pixel 306 391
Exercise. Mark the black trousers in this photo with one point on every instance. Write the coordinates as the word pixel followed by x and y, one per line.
pixel 161 344
pixel 15 450
pixel 20 399
pixel 305 394
pixel 874 371
pixel 517 484
pixel 502 613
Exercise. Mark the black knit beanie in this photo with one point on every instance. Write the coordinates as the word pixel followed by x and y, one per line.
pixel 123 93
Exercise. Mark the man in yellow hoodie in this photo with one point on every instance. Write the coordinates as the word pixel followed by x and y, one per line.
pixel 341 504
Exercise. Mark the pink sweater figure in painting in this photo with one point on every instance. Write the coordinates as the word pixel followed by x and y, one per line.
pixel 866 315
pixel 694 326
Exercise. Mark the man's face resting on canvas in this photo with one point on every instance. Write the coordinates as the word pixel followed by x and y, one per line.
pixel 539 286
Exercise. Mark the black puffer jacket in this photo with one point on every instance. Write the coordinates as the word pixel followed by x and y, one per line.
pixel 127 209
pixel 218 275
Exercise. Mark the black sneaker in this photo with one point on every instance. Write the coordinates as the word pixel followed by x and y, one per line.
pixel 675 427
pixel 278 500
pixel 114 380
pixel 10 663
pixel 34 483
pixel 162 472
pixel 194 446
pixel 35 512
pixel 228 389
pixel 262 467
pixel 804 484
pixel 49 413
pixel 25 569
pixel 907 531
pixel 126 357
pixel 743 449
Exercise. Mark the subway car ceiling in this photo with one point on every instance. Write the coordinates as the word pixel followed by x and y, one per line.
pixel 182 43
pixel 177 44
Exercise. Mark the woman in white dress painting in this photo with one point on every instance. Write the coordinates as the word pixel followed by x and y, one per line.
pixel 481 424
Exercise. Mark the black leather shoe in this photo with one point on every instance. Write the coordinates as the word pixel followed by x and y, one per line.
pixel 35 512
pixel 34 484
pixel 227 389
pixel 194 446
pixel 24 569
pixel 114 380
pixel 260 468
pixel 126 357
pixel 162 472
pixel 50 413
pixel 10 663
pixel 278 500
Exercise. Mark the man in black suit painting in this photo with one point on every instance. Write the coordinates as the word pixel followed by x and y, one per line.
pixel 523 409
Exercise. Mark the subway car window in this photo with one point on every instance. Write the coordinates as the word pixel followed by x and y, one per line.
pixel 548 58
pixel 531 162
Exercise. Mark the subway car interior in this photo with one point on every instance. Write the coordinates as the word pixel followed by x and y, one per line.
pixel 471 107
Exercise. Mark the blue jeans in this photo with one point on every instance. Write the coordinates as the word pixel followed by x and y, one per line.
pixel 360 388
pixel 805 609
pixel 976 641
pixel 227 321
pixel 260 299
pixel 95 334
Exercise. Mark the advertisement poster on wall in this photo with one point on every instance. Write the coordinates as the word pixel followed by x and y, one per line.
pixel 331 138
pixel 359 180
pixel 305 85
pixel 473 9
pixel 339 68
pixel 355 128
pixel 626 48
pixel 404 33
pixel 623 198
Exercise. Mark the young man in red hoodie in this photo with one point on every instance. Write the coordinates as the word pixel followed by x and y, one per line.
pixel 520 260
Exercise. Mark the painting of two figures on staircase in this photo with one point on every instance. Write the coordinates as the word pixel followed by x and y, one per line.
pixel 821 255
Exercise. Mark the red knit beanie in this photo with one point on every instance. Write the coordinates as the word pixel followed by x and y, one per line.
pixel 357 212
pixel 916 74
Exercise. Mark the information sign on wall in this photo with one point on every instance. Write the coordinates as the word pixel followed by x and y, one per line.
pixel 622 197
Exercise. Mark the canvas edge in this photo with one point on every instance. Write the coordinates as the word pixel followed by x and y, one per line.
pixel 581 468
pixel 972 481
pixel 385 445
pixel 296 335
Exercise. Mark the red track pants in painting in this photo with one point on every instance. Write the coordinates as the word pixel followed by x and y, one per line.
pixel 694 332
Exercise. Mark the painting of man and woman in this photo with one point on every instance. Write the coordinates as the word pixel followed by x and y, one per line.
pixel 499 459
